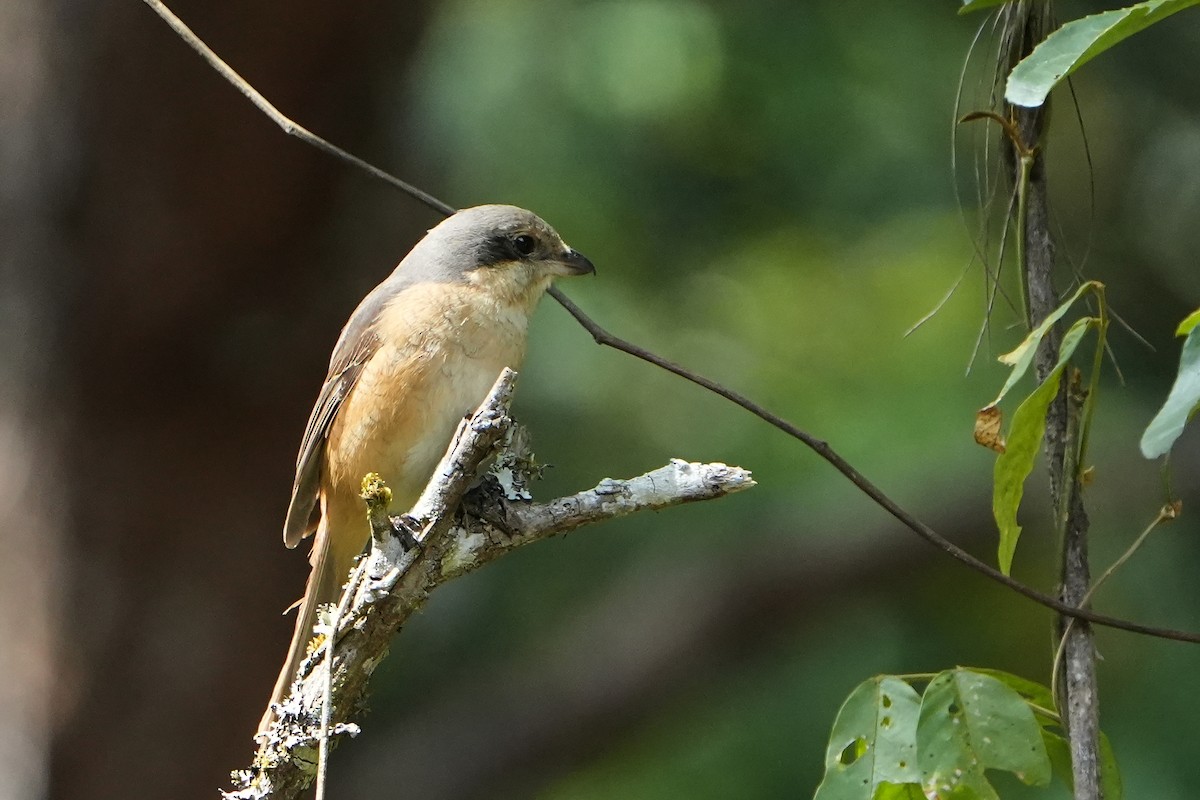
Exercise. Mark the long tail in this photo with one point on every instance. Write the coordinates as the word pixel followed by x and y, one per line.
pixel 324 586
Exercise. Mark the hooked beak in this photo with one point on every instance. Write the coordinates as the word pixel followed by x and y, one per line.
pixel 572 262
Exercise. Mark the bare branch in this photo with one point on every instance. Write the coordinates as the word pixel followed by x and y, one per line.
pixel 393 581
pixel 478 541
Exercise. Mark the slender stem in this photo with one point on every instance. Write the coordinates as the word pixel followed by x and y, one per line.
pixel 287 124
pixel 1068 468
pixel 1089 402
pixel 1166 514
pixel 1027 158
pixel 1045 712
pixel 603 337
pixel 327 689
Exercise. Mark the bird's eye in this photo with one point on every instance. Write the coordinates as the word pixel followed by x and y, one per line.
pixel 524 244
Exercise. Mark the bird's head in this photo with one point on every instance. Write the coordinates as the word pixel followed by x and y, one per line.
pixel 504 249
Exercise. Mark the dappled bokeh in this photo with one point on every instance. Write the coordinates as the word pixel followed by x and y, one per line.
pixel 768 192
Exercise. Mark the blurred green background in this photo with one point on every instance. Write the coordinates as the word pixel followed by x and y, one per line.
pixel 767 191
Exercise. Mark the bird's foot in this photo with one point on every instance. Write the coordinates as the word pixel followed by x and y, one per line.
pixel 408 530
pixel 486 500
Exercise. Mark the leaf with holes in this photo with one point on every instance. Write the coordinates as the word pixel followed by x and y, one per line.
pixel 873 744
pixel 1034 693
pixel 1021 447
pixel 1041 703
pixel 1078 42
pixel 1182 400
pixel 899 791
pixel 970 723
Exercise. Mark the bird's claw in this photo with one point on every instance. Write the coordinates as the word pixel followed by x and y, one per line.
pixel 408 530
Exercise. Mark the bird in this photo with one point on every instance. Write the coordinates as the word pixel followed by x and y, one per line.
pixel 418 354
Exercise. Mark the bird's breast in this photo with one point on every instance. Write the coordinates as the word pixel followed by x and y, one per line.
pixel 441 349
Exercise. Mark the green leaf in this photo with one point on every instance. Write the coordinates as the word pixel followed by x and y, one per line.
pixel 1022 357
pixel 1059 751
pixel 1110 775
pixel 899 791
pixel 1033 692
pixel 1024 439
pixel 970 723
pixel 978 5
pixel 873 742
pixel 1057 748
pixel 1076 43
pixel 1181 402
pixel 1189 322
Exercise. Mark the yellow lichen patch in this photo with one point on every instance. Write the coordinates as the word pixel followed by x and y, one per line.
pixel 375 491
pixel 315 644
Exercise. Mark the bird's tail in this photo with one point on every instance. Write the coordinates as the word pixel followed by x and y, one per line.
pixel 325 581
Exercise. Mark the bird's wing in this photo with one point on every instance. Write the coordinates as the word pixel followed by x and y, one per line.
pixel 355 347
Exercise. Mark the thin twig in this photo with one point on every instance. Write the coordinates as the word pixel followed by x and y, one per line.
pixel 288 125
pixel 826 452
pixel 603 337
pixel 995 289
pixel 1166 514
pixel 933 312
pixel 327 690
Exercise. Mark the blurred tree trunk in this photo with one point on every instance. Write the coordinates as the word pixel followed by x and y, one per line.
pixel 34 155
pixel 160 251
